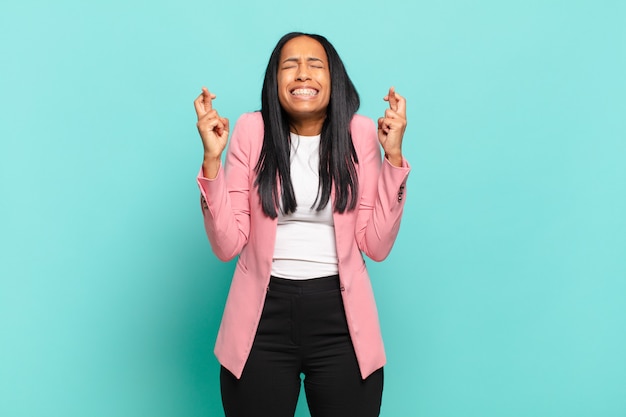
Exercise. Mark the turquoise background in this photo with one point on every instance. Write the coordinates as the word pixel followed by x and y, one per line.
pixel 505 294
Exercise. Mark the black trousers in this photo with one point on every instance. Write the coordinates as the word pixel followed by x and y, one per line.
pixel 303 331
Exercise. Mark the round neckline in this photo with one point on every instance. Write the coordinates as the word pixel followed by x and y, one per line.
pixel 295 135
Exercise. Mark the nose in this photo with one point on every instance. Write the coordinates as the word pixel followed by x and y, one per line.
pixel 303 73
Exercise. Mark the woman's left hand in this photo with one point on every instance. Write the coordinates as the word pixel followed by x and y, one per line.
pixel 391 127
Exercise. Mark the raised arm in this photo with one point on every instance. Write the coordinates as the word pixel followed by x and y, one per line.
pixel 213 131
pixel 391 127
pixel 224 197
pixel 383 184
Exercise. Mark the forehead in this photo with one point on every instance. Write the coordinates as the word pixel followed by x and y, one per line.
pixel 303 46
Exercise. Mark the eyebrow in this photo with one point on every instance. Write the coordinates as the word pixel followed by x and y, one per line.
pixel 309 59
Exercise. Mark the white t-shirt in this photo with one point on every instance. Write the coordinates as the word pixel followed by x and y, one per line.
pixel 305 239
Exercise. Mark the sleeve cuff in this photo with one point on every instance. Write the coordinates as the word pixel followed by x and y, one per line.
pixel 405 164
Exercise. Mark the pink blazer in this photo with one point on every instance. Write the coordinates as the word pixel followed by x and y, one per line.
pixel 235 225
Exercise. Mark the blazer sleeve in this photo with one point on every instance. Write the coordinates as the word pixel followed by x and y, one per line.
pixel 225 199
pixel 381 203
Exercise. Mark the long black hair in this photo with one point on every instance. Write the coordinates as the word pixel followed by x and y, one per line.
pixel 337 154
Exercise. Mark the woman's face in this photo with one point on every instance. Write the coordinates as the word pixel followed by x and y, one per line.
pixel 304 80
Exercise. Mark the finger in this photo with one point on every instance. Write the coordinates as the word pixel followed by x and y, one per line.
pixel 211 114
pixel 219 127
pixel 208 124
pixel 383 125
pixel 226 123
pixel 199 106
pixel 393 100
pixel 401 105
pixel 395 124
pixel 207 99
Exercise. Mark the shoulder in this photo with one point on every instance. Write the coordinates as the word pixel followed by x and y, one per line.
pixel 248 128
pixel 247 136
pixel 364 134
pixel 361 125
pixel 252 120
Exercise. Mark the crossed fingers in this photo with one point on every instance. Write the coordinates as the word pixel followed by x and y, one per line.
pixel 395 115
pixel 208 118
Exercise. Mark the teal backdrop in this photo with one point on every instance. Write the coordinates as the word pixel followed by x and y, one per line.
pixel 505 294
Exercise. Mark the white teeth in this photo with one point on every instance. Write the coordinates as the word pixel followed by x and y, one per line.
pixel 304 92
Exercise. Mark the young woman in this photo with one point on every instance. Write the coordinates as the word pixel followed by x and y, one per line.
pixel 303 194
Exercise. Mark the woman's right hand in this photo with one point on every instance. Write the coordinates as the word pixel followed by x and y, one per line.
pixel 213 130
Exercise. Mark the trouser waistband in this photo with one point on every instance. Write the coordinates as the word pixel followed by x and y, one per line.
pixel 304 286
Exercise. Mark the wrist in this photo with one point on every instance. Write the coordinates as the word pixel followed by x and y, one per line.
pixel 211 158
pixel 211 166
pixel 394 159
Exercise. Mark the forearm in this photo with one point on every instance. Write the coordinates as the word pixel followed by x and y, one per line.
pixel 211 166
pixel 379 221
pixel 225 226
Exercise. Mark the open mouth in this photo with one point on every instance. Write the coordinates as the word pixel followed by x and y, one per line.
pixel 308 92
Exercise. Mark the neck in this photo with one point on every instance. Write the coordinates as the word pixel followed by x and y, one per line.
pixel 307 127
